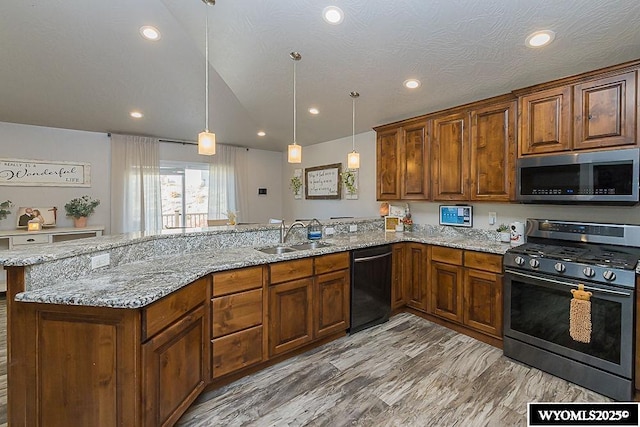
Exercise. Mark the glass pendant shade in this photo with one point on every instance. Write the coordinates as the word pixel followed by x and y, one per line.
pixel 294 153
pixel 353 160
pixel 207 143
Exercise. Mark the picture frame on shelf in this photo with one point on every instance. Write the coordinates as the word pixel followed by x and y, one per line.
pixel 46 216
pixel 391 222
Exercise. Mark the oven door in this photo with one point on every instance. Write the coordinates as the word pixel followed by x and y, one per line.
pixel 536 311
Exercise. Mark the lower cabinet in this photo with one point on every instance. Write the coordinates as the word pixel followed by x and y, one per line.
pixel 398 261
pixel 446 283
pixel 308 299
pixel 416 275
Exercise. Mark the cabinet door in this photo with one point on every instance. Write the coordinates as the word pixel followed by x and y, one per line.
pixel 605 112
pixel 398 269
pixel 416 275
pixel 414 158
pixel 545 121
pixel 446 291
pixel 483 301
pixel 493 153
pixel 175 368
pixel 450 146
pixel 387 165
pixel 237 351
pixel 290 315
pixel 331 303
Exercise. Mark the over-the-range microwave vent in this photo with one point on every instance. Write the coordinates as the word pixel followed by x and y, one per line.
pixel 594 178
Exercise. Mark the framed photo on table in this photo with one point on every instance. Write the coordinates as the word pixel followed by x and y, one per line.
pixel 390 223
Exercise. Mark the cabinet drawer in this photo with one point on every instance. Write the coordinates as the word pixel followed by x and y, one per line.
pixel 483 261
pixel 228 282
pixel 332 262
pixel 30 239
pixel 162 313
pixel 448 255
pixel 291 270
pixel 232 313
pixel 236 351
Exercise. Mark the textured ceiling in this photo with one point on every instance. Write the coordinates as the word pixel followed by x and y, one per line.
pixel 81 64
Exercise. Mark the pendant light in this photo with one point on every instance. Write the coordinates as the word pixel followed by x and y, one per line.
pixel 353 158
pixel 294 151
pixel 206 139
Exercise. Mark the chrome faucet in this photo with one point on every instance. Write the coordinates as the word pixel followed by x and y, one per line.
pixel 284 234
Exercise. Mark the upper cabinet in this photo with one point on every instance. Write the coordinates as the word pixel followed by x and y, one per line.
pixel 450 145
pixel 597 110
pixel 402 154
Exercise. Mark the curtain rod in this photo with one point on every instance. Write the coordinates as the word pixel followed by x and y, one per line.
pixel 184 142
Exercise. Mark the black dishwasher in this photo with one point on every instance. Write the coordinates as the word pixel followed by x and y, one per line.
pixel 370 287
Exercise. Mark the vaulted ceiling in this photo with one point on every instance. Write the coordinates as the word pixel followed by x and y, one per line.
pixel 81 64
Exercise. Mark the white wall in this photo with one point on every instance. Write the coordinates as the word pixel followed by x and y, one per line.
pixel 43 143
pixel 423 212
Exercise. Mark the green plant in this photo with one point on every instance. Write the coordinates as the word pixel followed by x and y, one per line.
pixel 4 208
pixel 295 184
pixel 81 206
pixel 502 228
pixel 349 181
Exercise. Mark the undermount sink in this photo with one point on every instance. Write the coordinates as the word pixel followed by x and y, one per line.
pixel 310 245
pixel 277 250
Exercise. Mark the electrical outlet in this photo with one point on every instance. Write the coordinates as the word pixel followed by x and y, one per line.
pixel 353 228
pixel 98 261
pixel 329 231
pixel 492 218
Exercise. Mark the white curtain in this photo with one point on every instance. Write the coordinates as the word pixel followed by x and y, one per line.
pixel 135 184
pixel 228 189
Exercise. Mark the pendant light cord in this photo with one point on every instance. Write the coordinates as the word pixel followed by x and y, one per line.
pixel 353 96
pixel 294 102
pixel 206 72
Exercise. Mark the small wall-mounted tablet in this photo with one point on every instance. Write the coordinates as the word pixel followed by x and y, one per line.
pixel 456 215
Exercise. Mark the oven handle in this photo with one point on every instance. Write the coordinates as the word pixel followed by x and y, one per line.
pixel 604 291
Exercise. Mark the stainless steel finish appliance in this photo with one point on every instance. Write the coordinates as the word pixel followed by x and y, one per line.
pixel 539 276
pixel 602 177
pixel 370 287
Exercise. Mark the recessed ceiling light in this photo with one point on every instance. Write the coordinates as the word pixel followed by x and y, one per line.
pixel 540 38
pixel 411 83
pixel 150 33
pixel 136 114
pixel 314 110
pixel 333 15
pixel 262 133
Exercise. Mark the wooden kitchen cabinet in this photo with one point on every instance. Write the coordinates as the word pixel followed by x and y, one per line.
pixel 450 167
pixel 416 275
pixel 605 112
pixel 331 303
pixel 398 269
pixel 493 152
pixel 545 121
pixel 290 315
pixel 402 159
pixel 238 337
pixel 446 291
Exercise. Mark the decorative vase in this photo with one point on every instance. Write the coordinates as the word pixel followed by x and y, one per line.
pixel 80 222
pixel 505 236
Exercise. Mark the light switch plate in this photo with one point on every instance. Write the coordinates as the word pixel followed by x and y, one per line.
pixel 353 228
pixel 329 231
pixel 492 218
pixel 98 261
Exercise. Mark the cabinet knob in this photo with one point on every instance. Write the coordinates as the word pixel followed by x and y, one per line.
pixel 589 117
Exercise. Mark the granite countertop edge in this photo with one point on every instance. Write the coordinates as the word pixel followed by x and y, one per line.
pixel 138 284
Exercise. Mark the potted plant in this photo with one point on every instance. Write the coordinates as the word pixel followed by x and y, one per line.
pixel 4 209
pixel 505 235
pixel 80 208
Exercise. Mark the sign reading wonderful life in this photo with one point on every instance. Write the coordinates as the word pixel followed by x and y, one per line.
pixel 44 173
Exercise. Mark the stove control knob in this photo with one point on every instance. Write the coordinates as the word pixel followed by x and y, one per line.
pixel 560 268
pixel 609 275
pixel 534 263
pixel 588 271
pixel 519 260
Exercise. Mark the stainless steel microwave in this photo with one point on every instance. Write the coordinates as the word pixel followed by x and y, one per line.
pixel 601 177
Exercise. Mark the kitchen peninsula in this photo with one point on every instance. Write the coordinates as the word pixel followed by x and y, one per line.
pixel 153 314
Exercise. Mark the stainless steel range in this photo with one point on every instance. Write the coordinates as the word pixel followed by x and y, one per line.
pixel 539 277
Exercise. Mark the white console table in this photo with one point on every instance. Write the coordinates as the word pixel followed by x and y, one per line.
pixel 10 239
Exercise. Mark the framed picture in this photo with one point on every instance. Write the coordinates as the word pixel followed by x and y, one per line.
pixel 390 223
pixel 323 182
pixel 46 216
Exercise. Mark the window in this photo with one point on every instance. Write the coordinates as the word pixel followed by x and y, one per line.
pixel 185 194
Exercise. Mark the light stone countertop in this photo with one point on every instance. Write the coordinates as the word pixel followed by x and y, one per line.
pixel 138 284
